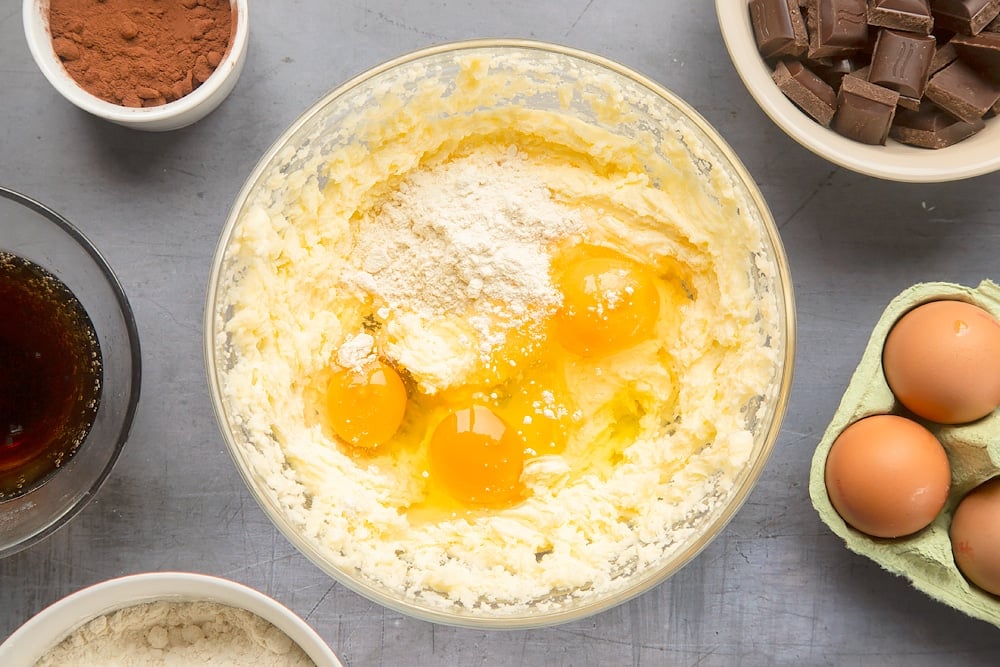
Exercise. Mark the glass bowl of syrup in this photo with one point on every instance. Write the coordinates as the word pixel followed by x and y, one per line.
pixel 70 369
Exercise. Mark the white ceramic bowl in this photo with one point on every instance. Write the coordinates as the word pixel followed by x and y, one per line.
pixel 171 116
pixel 895 161
pixel 51 625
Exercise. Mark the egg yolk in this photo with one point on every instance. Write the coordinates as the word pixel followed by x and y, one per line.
pixel 538 410
pixel 477 459
pixel 609 303
pixel 365 406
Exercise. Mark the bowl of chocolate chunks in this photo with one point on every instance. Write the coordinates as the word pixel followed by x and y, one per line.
pixel 904 90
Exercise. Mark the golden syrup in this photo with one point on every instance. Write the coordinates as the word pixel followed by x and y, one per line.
pixel 50 375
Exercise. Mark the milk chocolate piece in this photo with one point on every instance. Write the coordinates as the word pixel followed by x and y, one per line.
pixel 902 62
pixel 862 72
pixel 888 52
pixel 864 111
pixel 959 89
pixel 809 92
pixel 931 127
pixel 968 17
pixel 908 15
pixel 778 27
pixel 837 27
pixel 832 70
pixel 982 52
pixel 944 55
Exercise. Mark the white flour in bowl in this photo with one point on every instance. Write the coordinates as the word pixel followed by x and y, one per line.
pixel 177 634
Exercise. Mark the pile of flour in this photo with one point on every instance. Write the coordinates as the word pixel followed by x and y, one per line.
pixel 177 634
pixel 458 257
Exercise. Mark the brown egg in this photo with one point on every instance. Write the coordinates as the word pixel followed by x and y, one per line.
pixel 887 476
pixel 942 361
pixel 975 536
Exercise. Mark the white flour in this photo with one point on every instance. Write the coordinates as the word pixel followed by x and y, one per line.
pixel 177 634
pixel 471 232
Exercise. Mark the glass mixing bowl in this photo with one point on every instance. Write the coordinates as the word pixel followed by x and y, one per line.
pixel 401 101
pixel 34 232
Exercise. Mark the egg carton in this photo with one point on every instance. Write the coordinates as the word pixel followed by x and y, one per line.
pixel 924 558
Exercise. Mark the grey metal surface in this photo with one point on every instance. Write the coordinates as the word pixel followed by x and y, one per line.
pixel 775 588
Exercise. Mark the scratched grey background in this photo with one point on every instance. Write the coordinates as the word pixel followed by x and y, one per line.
pixel 775 588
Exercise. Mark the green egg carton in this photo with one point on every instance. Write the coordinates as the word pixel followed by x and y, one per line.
pixel 924 558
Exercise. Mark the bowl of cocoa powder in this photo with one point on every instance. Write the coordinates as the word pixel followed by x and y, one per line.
pixel 154 67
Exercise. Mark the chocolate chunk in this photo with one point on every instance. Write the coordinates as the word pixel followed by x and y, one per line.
pixel 908 15
pixel 778 28
pixel 981 51
pixel 837 27
pixel 959 89
pixel 931 127
pixel 864 111
pixel 805 89
pixel 944 55
pixel 902 62
pixel 862 72
pixel 898 47
pixel 832 70
pixel 968 17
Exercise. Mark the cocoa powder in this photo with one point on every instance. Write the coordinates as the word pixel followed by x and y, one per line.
pixel 140 53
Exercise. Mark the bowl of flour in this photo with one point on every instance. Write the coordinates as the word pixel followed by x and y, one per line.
pixel 166 618
pixel 500 334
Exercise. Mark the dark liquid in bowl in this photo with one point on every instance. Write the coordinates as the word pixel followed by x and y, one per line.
pixel 50 375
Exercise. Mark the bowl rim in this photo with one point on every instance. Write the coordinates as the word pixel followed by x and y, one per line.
pixel 642 585
pixel 76 609
pixel 894 162
pixel 36 25
pixel 135 354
